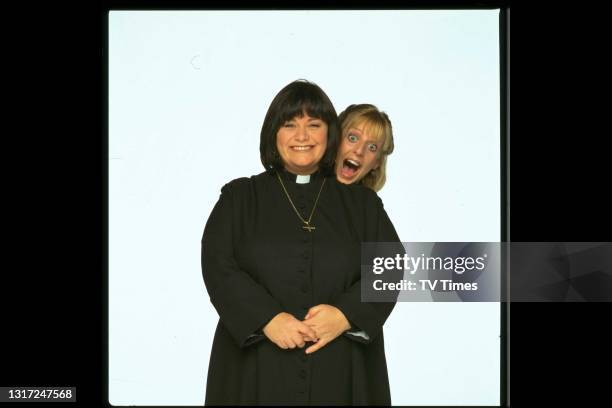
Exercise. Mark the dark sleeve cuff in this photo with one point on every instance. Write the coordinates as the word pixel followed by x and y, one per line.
pixel 254 338
pixel 255 335
pixel 359 336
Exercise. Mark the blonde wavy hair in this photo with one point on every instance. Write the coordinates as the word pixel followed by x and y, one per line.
pixel 378 125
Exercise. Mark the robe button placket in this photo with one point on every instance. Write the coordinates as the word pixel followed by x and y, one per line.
pixel 306 240
pixel 300 205
pixel 303 374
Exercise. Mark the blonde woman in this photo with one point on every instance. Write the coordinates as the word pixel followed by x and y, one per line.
pixel 366 141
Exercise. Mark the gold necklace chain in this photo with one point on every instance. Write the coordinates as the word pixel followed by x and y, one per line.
pixel 307 225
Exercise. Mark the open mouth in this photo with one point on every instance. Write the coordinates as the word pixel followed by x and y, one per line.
pixel 301 148
pixel 350 168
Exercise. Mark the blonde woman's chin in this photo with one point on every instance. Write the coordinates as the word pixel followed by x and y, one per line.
pixel 347 179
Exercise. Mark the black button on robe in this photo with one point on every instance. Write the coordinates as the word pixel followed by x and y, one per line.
pixel 257 261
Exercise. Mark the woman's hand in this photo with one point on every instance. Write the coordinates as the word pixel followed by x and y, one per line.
pixel 328 322
pixel 286 331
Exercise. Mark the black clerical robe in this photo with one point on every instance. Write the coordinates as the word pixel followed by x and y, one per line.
pixel 258 261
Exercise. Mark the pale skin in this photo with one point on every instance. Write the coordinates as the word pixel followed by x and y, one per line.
pixel 322 324
pixel 361 149
pixel 301 143
pixel 287 332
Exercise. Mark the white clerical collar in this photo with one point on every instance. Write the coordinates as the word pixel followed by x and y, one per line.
pixel 302 179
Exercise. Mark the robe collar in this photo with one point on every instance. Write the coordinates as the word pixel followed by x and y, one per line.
pixel 296 179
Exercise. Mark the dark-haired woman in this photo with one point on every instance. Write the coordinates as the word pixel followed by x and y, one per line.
pixel 281 263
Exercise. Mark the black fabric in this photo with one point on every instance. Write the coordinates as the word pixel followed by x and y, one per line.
pixel 257 261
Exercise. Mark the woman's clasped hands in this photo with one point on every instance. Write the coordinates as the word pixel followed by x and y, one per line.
pixel 321 325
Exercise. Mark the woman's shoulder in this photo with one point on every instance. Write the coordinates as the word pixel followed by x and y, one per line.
pixel 357 192
pixel 243 184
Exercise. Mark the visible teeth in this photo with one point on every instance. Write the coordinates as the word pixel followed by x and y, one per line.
pixel 301 147
pixel 353 162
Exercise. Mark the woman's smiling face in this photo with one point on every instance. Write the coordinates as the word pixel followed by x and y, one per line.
pixel 357 154
pixel 301 143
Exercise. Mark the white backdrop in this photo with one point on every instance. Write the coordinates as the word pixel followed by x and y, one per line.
pixel 188 91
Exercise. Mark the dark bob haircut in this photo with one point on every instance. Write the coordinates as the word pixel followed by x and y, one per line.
pixel 293 100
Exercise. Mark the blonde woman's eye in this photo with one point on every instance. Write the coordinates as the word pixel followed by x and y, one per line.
pixel 373 147
pixel 352 138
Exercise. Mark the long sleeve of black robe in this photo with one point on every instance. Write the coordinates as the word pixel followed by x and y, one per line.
pixel 257 261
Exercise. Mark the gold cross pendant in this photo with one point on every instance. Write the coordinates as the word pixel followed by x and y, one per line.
pixel 308 227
